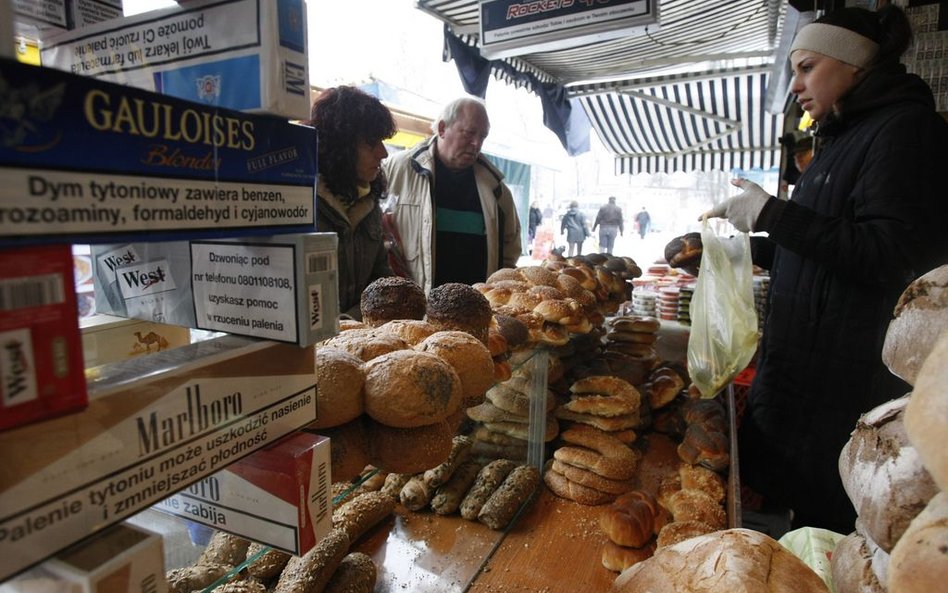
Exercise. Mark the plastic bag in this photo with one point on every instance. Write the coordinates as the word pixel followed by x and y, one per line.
pixel 723 319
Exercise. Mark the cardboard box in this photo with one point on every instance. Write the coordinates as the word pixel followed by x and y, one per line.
pixel 106 338
pixel 94 162
pixel 122 559
pixel 83 13
pixel 282 288
pixel 278 496
pixel 248 55
pixel 154 425
pixel 41 369
pixel 42 13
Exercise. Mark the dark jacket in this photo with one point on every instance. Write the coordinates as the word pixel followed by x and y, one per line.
pixel 574 224
pixel 536 217
pixel 865 218
pixel 609 215
pixel 362 254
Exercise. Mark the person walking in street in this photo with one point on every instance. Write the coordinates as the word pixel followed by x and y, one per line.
pixel 454 215
pixel 866 217
pixel 350 126
pixel 535 218
pixel 643 221
pixel 574 225
pixel 609 221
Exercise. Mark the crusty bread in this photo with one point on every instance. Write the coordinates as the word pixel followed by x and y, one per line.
pixel 695 505
pixel 919 561
pixel 366 344
pixel 410 388
pixel 731 561
pixel 361 513
pixel 409 450
pixel 356 573
pixel 926 414
pixel 470 359
pixel 883 474
pixel 412 331
pixel 920 315
pixel 311 571
pixel 618 558
pixel 348 448
pixel 391 297
pixel 851 566
pixel 339 381
pixel 457 306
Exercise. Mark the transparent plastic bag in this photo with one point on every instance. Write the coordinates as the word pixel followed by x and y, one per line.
pixel 723 319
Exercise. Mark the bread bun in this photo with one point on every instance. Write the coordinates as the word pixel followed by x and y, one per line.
pixel 470 359
pixel 457 306
pixel 409 450
pixel 412 331
pixel 704 446
pixel 695 477
pixel 725 561
pixel 685 252
pixel 506 274
pixel 366 344
pixel 883 474
pixel 348 449
pixel 926 414
pixel 618 558
pixel 636 324
pixel 851 566
pixel 339 381
pixel 632 520
pixel 392 297
pixel 538 275
pixel 409 388
pixel 919 561
pixel 920 315
pixel 678 531
pixel 512 329
pixel 695 505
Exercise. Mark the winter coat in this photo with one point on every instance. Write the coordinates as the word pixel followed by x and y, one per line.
pixel 865 218
pixel 574 224
pixel 609 215
pixel 411 200
pixel 362 257
pixel 536 217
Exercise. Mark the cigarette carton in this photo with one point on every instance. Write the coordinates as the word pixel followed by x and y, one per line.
pixel 278 496
pixel 282 288
pixel 42 13
pixel 248 55
pixel 106 338
pixel 86 161
pixel 83 13
pixel 41 369
pixel 154 425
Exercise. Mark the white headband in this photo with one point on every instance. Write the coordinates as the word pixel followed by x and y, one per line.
pixel 836 42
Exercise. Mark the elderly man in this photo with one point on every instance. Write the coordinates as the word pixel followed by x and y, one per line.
pixel 455 218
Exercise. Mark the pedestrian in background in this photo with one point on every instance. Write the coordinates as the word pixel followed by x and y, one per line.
pixel 609 221
pixel 535 218
pixel 643 221
pixel 574 225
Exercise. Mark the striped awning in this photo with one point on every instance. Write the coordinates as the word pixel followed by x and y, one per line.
pixel 653 99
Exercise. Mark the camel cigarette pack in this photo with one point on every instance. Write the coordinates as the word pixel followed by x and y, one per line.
pixel 106 338
pixel 247 55
pixel 278 496
pixel 88 161
pixel 281 288
pixel 154 425
pixel 41 367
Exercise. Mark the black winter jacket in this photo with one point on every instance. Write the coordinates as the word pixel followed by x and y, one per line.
pixel 866 217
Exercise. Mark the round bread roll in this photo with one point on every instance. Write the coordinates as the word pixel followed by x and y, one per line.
pixel 513 274
pixel 339 381
pixel 348 449
pixel 632 520
pixel 412 331
pixel 458 306
pixel 470 359
pixel 513 330
pixel 391 297
pixel 366 343
pixel 926 414
pixel 920 315
pixel 919 561
pixel 409 450
pixel 618 558
pixel 732 560
pixel 883 474
pixel 409 388
pixel 538 275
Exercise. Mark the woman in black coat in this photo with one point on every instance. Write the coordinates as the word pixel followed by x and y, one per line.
pixel 351 126
pixel 865 219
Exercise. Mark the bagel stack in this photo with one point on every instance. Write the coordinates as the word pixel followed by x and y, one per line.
pixel 628 346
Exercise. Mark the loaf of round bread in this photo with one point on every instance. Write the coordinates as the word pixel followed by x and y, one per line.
pixel 409 388
pixel 469 358
pixel 339 381
pixel 366 344
pixel 391 297
pixel 851 566
pixel 883 474
pixel 926 414
pixel 348 449
pixel 412 331
pixel 458 306
pixel 919 561
pixel 919 316
pixel 409 450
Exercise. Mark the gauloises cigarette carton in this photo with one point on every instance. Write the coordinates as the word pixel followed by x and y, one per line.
pixel 154 425
pixel 87 161
pixel 282 288
pixel 278 496
pixel 248 55
pixel 41 367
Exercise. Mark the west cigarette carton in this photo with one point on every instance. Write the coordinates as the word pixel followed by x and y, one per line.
pixel 41 367
pixel 154 425
pixel 87 161
pixel 248 55
pixel 282 288
pixel 278 496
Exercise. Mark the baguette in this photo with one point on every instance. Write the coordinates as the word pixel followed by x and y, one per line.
pixel 362 513
pixel 311 572
pixel 416 494
pixel 487 481
pixel 460 448
pixel 504 503
pixel 225 548
pixel 356 574
pixel 447 498
pixel 393 485
pixel 269 564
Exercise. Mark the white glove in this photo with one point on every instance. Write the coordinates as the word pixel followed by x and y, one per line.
pixel 743 209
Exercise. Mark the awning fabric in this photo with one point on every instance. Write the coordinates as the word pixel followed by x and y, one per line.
pixel 718 122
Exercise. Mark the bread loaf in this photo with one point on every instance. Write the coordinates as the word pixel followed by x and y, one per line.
pixel 926 414
pixel 851 567
pixel 438 475
pixel 269 564
pixel 457 306
pixel 883 474
pixel 310 573
pixel 563 487
pixel 919 561
pixel 633 519
pixel 362 513
pixel 225 548
pixel 355 574
pixel 447 498
pixel 391 297
pixel 195 577
pixel 487 481
pixel 731 561
pixel 411 331
pixel 409 450
pixel 339 381
pixel 408 389
pixel 366 344
pixel 618 558
pixel 678 531
pixel 469 358
pixel 501 506
pixel 919 317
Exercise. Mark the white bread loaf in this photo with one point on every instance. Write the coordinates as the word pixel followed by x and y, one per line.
pixel 926 416
pixel 730 561
pixel 919 561
pixel 852 566
pixel 883 474
pixel 920 315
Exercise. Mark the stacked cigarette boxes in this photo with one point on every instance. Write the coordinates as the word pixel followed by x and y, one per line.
pixel 154 425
